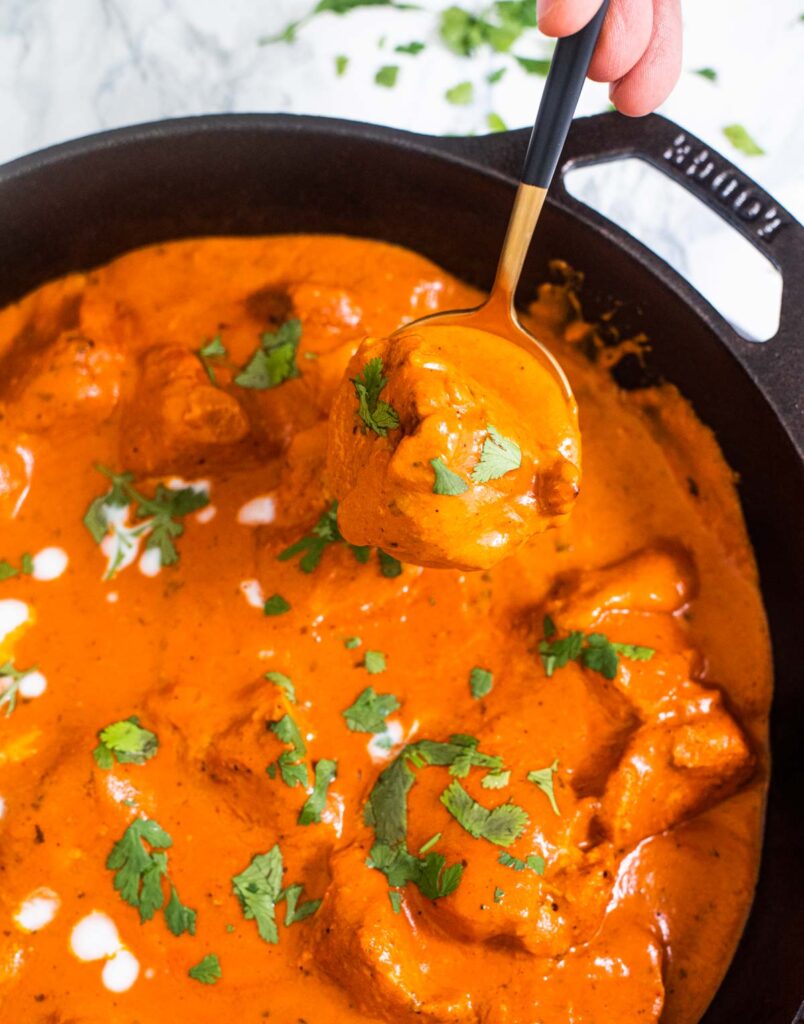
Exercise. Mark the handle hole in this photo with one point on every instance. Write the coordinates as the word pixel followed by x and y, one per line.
pixel 741 283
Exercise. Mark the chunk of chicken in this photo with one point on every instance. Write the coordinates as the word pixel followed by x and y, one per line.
pixel 451 450
pixel 177 418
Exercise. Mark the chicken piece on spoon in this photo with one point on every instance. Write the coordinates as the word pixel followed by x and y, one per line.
pixel 456 439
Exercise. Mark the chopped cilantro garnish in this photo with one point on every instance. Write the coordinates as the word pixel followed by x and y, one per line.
pixel 495 780
pixel 158 516
pixel 594 651
pixel 460 95
pixel 411 48
pixel 498 456
pixel 498 894
pixel 533 67
pixel 376 414
pixel 274 362
pixel 10 691
pixel 426 847
pixel 292 764
pixel 139 872
pixel 259 890
pixel 386 813
pixel 708 73
pixel 341 64
pixel 480 682
pixel 284 683
pixel 543 778
pixel 395 898
pixel 447 482
pixel 211 352
pixel 296 911
pixel 369 711
pixel 464 33
pixel 739 138
pixel 494 76
pixel 207 971
pixel 351 642
pixel 179 919
pixel 390 567
pixel 533 861
pixel 374 662
pixel 313 545
pixel 387 75
pixel 127 742
pixel 495 123
pixel 325 772
pixel 501 825
pixel 9 571
pixel 276 605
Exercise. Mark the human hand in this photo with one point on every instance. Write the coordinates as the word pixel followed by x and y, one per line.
pixel 639 51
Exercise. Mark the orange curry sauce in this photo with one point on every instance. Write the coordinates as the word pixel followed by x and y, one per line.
pixel 623 902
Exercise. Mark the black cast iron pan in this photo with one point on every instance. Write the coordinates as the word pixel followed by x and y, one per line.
pixel 82 203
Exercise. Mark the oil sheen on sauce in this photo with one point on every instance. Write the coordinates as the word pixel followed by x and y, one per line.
pixel 613 881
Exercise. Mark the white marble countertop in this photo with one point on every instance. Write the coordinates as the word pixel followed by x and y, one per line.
pixel 72 67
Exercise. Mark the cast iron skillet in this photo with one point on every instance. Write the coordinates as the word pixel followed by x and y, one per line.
pixel 82 203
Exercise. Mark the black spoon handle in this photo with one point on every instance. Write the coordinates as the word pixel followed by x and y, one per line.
pixel 560 97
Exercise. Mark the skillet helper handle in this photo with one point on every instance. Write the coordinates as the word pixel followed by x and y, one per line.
pixel 565 79
pixel 775 364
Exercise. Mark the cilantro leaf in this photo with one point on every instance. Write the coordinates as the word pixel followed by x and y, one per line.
pixel 376 414
pixel 447 482
pixel 390 567
pixel 10 691
pixel 498 456
pixel 180 919
pixel 139 872
pixel 412 48
pixel 276 605
pixel 495 780
pixel 258 888
pixel 369 711
pixel 425 847
pixel 543 778
pixel 325 772
pixel 480 682
pixel 501 825
pixel 533 67
pixel 532 861
pixel 708 73
pixel 284 683
pixel 341 64
pixel 460 95
pixel 739 138
pixel 557 653
pixel 594 651
pixel 313 545
pixel 158 514
pixel 9 571
pixel 494 76
pixel 292 766
pixel 387 75
pixel 207 971
pixel 495 123
pixel 351 642
pixel 498 894
pixel 125 741
pixel 208 354
pixel 464 33
pixel 374 662
pixel 435 880
pixel 274 362
pixel 294 910
pixel 395 898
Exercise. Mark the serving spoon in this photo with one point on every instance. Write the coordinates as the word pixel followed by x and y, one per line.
pixel 497 315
